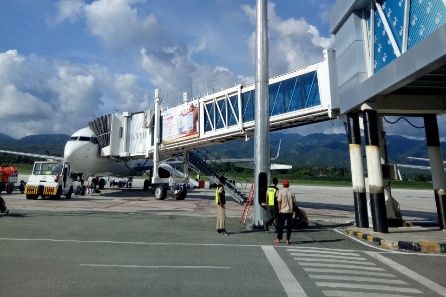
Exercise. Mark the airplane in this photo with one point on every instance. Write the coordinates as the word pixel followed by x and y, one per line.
pixel 82 152
pixel 417 166
pixel 249 162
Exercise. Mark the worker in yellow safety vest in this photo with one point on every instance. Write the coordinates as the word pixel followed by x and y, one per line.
pixel 271 203
pixel 220 201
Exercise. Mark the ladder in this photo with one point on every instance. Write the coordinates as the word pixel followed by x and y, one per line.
pixel 247 205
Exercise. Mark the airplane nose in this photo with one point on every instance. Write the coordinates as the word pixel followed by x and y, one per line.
pixel 69 152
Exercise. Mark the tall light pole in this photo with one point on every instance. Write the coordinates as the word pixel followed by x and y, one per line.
pixel 261 133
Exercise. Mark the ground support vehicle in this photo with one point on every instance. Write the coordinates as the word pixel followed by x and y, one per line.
pixel 8 179
pixel 49 179
pixel 170 182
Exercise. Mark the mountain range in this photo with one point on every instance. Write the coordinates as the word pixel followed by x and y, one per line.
pixel 313 149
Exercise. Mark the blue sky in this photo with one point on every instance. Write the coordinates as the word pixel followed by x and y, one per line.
pixel 63 63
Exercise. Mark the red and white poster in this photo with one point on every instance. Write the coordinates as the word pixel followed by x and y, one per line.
pixel 180 122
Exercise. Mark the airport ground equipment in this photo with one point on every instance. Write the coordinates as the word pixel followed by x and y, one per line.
pixel 8 179
pixel 170 182
pixel 49 180
pixel 201 159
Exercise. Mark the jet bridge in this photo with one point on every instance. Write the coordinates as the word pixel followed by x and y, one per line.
pixel 300 97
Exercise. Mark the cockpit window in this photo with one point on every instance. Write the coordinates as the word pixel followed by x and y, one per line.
pixel 84 138
pixel 73 138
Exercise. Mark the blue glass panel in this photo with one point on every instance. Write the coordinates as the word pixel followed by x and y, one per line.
pixel 219 122
pixel 383 51
pixel 275 97
pixel 248 106
pixel 394 12
pixel 231 118
pixel 426 16
pixel 207 124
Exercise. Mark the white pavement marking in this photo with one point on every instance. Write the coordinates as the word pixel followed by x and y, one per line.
pixel 156 266
pixel 323 249
pixel 348 271
pixel 357 279
pixel 289 282
pixel 356 294
pixel 130 242
pixel 410 274
pixel 327 256
pixel 323 260
pixel 341 266
pixel 368 287
pixel 305 250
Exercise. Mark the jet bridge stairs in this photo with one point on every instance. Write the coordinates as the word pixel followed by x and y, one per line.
pixel 207 163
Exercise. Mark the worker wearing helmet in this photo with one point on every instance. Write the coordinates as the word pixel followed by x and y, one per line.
pixel 285 201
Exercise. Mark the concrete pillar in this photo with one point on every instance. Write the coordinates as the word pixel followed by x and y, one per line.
pixel 374 172
pixel 156 136
pixel 357 170
pixel 437 169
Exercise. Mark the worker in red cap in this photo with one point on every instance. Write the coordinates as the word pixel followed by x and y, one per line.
pixel 285 202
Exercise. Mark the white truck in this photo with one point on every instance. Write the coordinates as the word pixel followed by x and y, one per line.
pixel 49 179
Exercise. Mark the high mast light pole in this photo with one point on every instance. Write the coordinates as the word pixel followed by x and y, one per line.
pixel 261 132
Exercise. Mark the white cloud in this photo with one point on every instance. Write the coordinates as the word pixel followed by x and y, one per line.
pixel 41 96
pixel 293 43
pixel 69 10
pixel 119 25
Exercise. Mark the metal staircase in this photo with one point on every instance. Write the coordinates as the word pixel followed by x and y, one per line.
pixel 206 163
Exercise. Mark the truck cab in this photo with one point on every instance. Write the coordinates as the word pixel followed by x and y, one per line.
pixel 49 179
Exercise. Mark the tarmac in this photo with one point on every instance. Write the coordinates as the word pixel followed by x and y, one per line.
pixel 412 238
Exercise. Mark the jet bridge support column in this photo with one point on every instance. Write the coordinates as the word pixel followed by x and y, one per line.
pixel 357 170
pixel 437 169
pixel 156 137
pixel 374 172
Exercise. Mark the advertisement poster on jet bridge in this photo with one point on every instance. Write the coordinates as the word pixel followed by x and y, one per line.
pixel 180 123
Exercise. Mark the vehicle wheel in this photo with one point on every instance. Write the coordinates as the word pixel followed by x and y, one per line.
pixel 9 189
pixel 70 192
pixel 101 183
pixel 181 195
pixel 33 197
pixel 160 192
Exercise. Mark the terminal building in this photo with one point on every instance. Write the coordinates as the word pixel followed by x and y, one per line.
pixel 390 60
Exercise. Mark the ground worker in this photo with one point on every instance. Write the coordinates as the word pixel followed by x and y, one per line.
pixel 220 201
pixel 271 203
pixel 285 201
pixel 3 208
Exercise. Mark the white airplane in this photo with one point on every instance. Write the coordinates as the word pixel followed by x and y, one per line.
pixel 417 166
pixel 83 153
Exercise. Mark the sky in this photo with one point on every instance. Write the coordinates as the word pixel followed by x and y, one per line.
pixel 63 63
